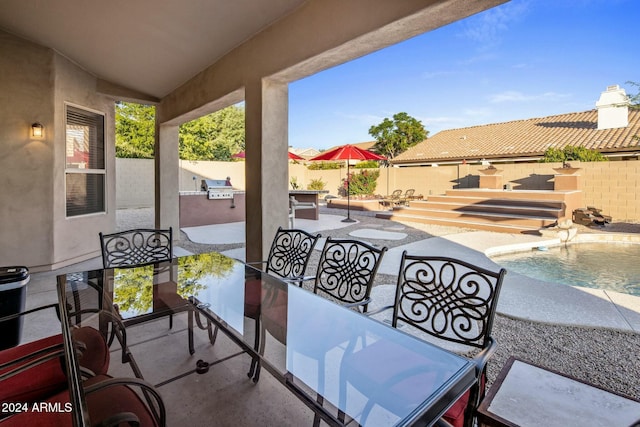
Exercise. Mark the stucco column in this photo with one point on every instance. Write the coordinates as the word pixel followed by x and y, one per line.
pixel 266 164
pixel 167 209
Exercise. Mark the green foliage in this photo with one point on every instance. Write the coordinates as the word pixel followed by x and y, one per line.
pixel 194 269
pixel 216 136
pixel 367 164
pixel 634 99
pixel 134 286
pixel 135 130
pixel 314 166
pixel 316 184
pixel 363 183
pixel 571 152
pixel 396 136
pixel 293 181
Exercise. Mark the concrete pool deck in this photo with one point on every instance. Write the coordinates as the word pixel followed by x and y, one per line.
pixel 521 297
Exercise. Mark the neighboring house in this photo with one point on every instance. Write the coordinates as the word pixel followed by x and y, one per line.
pixel 307 153
pixel 362 145
pixel 612 129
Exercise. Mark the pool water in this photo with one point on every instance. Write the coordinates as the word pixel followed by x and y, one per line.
pixel 608 266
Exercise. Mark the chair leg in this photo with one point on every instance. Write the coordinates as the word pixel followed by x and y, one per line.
pixel 190 333
pixel 316 418
pixel 255 363
pixel 212 334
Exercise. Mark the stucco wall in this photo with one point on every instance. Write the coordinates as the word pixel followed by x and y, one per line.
pixel 26 181
pixel 611 186
pixel 35 83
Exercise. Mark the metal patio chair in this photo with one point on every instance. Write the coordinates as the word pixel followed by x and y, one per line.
pixel 391 199
pixel 346 271
pixel 345 274
pixel 288 259
pixel 406 197
pixel 444 300
pixel 289 254
pixel 139 247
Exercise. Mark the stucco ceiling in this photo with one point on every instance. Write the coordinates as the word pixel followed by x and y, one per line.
pixel 149 46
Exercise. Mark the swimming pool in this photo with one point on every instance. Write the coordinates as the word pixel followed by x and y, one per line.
pixel 608 266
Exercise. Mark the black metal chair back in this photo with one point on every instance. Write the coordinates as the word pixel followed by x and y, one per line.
pixel 136 247
pixel 447 298
pixel 290 253
pixel 346 271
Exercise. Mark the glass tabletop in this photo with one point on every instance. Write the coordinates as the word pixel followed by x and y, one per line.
pixel 316 344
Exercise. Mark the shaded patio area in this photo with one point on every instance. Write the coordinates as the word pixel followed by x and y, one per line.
pixel 560 341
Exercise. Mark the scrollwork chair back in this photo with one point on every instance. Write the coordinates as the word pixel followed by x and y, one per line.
pixel 346 271
pixel 447 298
pixel 136 247
pixel 290 253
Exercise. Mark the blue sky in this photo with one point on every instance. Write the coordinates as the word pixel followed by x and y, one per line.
pixel 524 59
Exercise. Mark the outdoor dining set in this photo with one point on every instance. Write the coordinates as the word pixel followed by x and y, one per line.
pixel 313 332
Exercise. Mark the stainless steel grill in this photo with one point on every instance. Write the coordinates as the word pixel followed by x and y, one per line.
pixel 217 188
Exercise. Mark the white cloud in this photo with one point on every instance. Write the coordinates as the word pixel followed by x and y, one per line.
pixel 488 26
pixel 437 74
pixel 369 119
pixel 515 96
pixel 478 112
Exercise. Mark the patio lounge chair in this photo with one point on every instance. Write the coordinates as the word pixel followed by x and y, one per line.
pixel 407 197
pixel 392 199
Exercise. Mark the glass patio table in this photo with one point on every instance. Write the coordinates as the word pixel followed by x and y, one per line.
pixel 298 337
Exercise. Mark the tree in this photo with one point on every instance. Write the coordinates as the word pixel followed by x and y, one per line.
pixel 396 136
pixel 634 100
pixel 216 136
pixel 135 130
pixel 570 152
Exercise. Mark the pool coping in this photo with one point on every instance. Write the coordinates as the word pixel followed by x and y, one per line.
pixel 532 299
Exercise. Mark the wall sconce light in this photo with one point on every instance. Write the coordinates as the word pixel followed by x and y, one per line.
pixel 37 130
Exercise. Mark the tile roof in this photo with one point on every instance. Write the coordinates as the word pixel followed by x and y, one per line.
pixel 368 145
pixel 524 138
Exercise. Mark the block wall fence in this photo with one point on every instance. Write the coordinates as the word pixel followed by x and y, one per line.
pixel 611 186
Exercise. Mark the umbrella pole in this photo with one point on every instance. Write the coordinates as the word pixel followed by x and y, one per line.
pixel 348 218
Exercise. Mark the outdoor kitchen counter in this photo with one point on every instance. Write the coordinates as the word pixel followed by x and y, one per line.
pixel 308 196
pixel 197 209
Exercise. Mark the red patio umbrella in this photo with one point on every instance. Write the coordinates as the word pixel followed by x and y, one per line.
pixel 292 156
pixel 348 152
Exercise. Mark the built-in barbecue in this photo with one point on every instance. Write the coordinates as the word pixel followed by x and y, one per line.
pixel 217 188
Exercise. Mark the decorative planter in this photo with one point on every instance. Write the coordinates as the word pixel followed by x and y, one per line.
pixel 490 171
pixel 566 171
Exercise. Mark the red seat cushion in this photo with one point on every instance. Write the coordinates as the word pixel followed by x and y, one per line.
pixel 109 401
pixel 48 378
pixel 102 404
pixel 455 414
pixel 96 357
pixel 389 376
pixel 38 382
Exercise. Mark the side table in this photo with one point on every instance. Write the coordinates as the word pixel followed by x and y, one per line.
pixel 525 395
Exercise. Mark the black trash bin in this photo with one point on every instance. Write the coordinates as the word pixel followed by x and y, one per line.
pixel 13 293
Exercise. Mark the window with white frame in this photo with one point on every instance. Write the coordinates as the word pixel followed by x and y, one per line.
pixel 85 162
